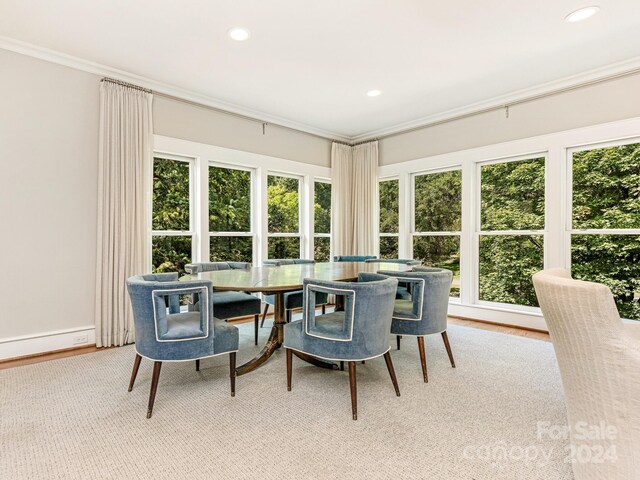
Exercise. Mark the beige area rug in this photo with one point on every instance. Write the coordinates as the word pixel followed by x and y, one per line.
pixel 73 418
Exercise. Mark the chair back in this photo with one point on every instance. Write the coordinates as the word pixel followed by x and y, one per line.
pixel 277 262
pixel 403 261
pixel 368 306
pixel 193 268
pixel 155 300
pixel 599 360
pixel 353 258
pixel 429 305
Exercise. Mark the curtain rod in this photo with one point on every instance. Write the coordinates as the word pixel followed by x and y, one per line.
pixel 125 84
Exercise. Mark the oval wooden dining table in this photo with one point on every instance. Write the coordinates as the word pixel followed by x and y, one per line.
pixel 277 281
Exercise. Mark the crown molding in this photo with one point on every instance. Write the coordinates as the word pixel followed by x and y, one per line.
pixel 70 61
pixel 608 72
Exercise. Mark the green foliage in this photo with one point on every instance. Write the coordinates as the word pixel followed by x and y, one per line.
pixel 606 194
pixel 438 202
pixel 442 252
pixel 512 198
pixel 231 249
pixel 322 207
pixel 507 263
pixel 170 195
pixel 322 249
pixel 229 200
pixel 170 254
pixel 283 205
pixel 284 247
pixel 388 247
pixel 389 206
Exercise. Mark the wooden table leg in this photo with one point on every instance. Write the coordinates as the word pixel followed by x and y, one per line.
pixel 276 338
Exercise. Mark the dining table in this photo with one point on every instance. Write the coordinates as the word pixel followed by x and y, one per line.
pixel 278 280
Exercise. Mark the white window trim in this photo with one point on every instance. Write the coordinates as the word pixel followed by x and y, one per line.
pixel 204 155
pixel 412 209
pixel 193 221
pixel 557 204
pixel 250 233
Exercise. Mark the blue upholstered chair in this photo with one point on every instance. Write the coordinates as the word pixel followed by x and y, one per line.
pixel 353 258
pixel 358 333
pixel 164 334
pixel 425 313
pixel 229 304
pixel 403 292
pixel 291 299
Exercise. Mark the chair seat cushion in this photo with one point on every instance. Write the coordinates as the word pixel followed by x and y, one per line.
pixel 187 325
pixel 294 299
pixel 233 304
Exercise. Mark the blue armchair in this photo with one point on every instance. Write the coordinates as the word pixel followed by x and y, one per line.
pixel 229 304
pixel 163 334
pixel 353 258
pixel 403 288
pixel 291 299
pixel 358 333
pixel 425 313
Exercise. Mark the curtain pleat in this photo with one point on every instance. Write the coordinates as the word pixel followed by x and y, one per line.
pixel 354 199
pixel 124 182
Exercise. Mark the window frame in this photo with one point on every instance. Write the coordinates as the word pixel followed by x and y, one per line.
pixel 568 230
pixel 301 209
pixel 412 211
pixel 382 234
pixel 320 234
pixel 193 208
pixel 252 207
pixel 478 232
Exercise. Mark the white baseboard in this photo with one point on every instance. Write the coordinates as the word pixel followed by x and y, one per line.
pixel 46 342
pixel 499 315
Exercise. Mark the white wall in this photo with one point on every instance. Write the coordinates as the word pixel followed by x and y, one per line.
pixel 606 102
pixel 48 152
pixel 173 118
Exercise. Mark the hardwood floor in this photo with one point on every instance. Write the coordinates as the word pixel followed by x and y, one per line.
pixel 463 322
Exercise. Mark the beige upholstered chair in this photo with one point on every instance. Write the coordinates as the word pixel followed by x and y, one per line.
pixel 599 359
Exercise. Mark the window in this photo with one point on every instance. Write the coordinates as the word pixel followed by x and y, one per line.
pixel 230 232
pixel 605 221
pixel 283 200
pixel 511 233
pixel 322 221
pixel 389 193
pixel 172 219
pixel 437 217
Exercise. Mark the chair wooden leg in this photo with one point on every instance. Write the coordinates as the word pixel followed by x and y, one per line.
pixel 324 309
pixel 198 365
pixel 288 316
pixel 398 338
pixel 154 387
pixel 341 366
pixel 232 372
pixel 423 359
pixel 445 338
pixel 354 390
pixel 256 320
pixel 264 314
pixel 134 373
pixel 289 367
pixel 392 372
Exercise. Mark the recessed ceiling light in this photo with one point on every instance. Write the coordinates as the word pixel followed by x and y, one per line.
pixel 373 93
pixel 581 14
pixel 239 34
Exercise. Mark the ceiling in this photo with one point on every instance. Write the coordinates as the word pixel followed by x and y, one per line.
pixel 311 63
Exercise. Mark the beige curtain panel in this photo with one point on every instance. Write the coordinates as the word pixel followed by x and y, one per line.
pixel 124 181
pixel 354 199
